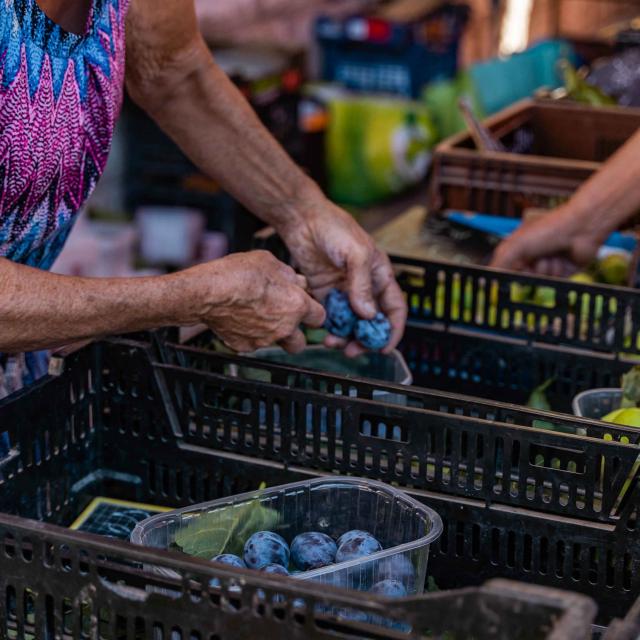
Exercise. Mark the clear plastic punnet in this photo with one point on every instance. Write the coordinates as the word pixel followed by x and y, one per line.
pixel 597 403
pixel 404 527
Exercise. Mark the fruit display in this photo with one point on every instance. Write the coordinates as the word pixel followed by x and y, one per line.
pixel 269 552
pixel 374 334
pixel 236 538
pixel 265 548
pixel 613 269
pixel 357 544
pixel 277 569
pixel 230 559
pixel 313 550
pixel 342 322
pixel 629 412
pixel 389 589
pixel 350 533
pixel 579 88
pixel 341 319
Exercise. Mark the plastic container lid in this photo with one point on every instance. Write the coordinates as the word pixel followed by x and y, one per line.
pixel 389 368
pixel 597 403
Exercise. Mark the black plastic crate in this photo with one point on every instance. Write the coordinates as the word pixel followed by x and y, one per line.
pixel 318 421
pixel 471 332
pixel 98 429
pixel 508 370
pixel 200 354
pixel 538 309
pixel 502 304
pixel 627 629
pixel 555 517
pixel 60 585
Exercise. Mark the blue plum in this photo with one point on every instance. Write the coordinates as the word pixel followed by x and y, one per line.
pixel 265 547
pixel 313 550
pixel 353 533
pixel 357 546
pixel 398 568
pixel 374 334
pixel 341 319
pixel 389 589
pixel 351 615
pixel 278 569
pixel 230 559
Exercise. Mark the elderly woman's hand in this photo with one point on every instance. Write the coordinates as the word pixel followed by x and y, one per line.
pixel 251 300
pixel 333 251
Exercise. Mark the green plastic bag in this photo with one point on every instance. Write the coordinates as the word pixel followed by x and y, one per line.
pixel 376 147
pixel 442 98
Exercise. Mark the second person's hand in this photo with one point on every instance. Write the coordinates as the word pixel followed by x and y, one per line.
pixel 556 244
pixel 252 300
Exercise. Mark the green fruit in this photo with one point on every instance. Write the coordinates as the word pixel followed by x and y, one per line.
pixel 580 90
pixel 545 297
pixel 624 417
pixel 614 269
pixel 538 398
pixel 631 389
pixel 521 293
pixel 583 278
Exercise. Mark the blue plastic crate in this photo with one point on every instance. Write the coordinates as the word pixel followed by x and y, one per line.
pixel 500 82
pixel 373 55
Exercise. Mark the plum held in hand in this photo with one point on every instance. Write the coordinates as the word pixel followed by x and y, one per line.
pixel 341 320
pixel 278 569
pixel 313 550
pixel 230 559
pixel 357 546
pixel 374 334
pixel 265 547
pixel 389 589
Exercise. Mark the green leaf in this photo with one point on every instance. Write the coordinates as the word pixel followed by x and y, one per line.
pixel 432 587
pixel 631 389
pixel 225 530
pixel 538 398
pixel 257 518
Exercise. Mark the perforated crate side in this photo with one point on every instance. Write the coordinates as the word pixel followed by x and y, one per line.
pixel 57 584
pixel 506 370
pixel 434 399
pixel 479 542
pixel 589 317
pixel 165 472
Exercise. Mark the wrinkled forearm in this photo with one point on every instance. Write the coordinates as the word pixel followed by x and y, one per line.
pixel 42 310
pixel 193 100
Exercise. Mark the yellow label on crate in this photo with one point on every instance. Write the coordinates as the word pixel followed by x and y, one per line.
pixel 114 518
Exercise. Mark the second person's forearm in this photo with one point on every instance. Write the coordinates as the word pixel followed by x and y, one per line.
pixel 612 196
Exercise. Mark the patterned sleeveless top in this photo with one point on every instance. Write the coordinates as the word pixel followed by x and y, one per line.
pixel 60 96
